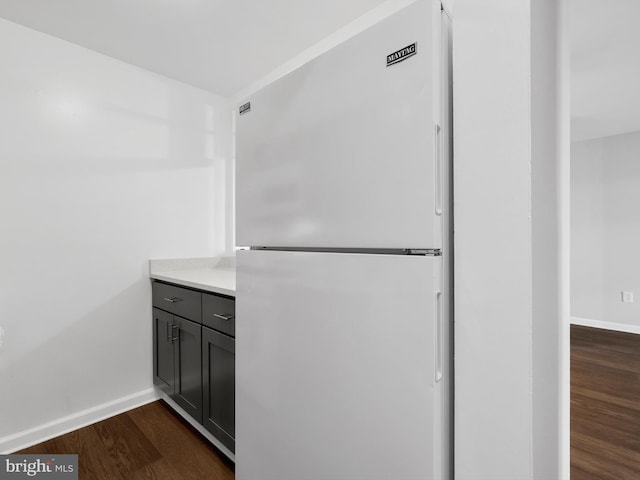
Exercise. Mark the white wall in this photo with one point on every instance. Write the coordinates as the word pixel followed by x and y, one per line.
pixel 605 230
pixel 103 166
pixel 509 59
pixel 587 230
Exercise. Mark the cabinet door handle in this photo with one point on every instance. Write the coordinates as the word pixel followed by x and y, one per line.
pixel 223 317
pixel 168 333
pixel 437 139
pixel 172 299
pixel 176 333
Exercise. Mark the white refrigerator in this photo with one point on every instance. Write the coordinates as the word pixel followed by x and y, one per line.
pixel 343 345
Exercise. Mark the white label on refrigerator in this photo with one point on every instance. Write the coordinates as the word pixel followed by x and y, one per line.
pixel 245 108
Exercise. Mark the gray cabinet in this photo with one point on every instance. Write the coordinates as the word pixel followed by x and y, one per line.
pixel 188 367
pixel 218 375
pixel 177 365
pixel 194 355
pixel 177 340
pixel 163 360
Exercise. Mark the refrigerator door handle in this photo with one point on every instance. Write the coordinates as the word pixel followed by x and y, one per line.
pixel 439 336
pixel 439 169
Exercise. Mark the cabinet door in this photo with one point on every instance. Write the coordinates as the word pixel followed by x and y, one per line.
pixel 218 374
pixel 188 367
pixel 163 362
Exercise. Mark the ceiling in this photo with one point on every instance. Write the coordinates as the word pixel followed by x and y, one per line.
pixel 223 46
pixel 218 45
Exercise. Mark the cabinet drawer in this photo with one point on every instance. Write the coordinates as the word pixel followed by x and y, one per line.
pixel 177 300
pixel 219 313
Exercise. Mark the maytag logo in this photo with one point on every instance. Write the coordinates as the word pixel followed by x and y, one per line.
pixel 58 467
pixel 402 54
pixel 245 108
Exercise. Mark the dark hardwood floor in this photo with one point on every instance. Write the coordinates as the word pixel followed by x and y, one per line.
pixel 605 404
pixel 150 442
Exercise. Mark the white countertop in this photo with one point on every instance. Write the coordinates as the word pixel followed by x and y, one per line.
pixel 213 274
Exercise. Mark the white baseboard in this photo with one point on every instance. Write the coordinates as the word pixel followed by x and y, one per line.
pixel 618 327
pixel 33 436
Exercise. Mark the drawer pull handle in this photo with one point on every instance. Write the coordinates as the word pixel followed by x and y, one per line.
pixel 223 317
pixel 173 299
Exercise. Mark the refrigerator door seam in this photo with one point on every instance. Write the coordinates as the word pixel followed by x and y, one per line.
pixel 428 252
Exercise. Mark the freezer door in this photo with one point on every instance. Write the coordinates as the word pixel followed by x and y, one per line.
pixel 341 151
pixel 337 368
